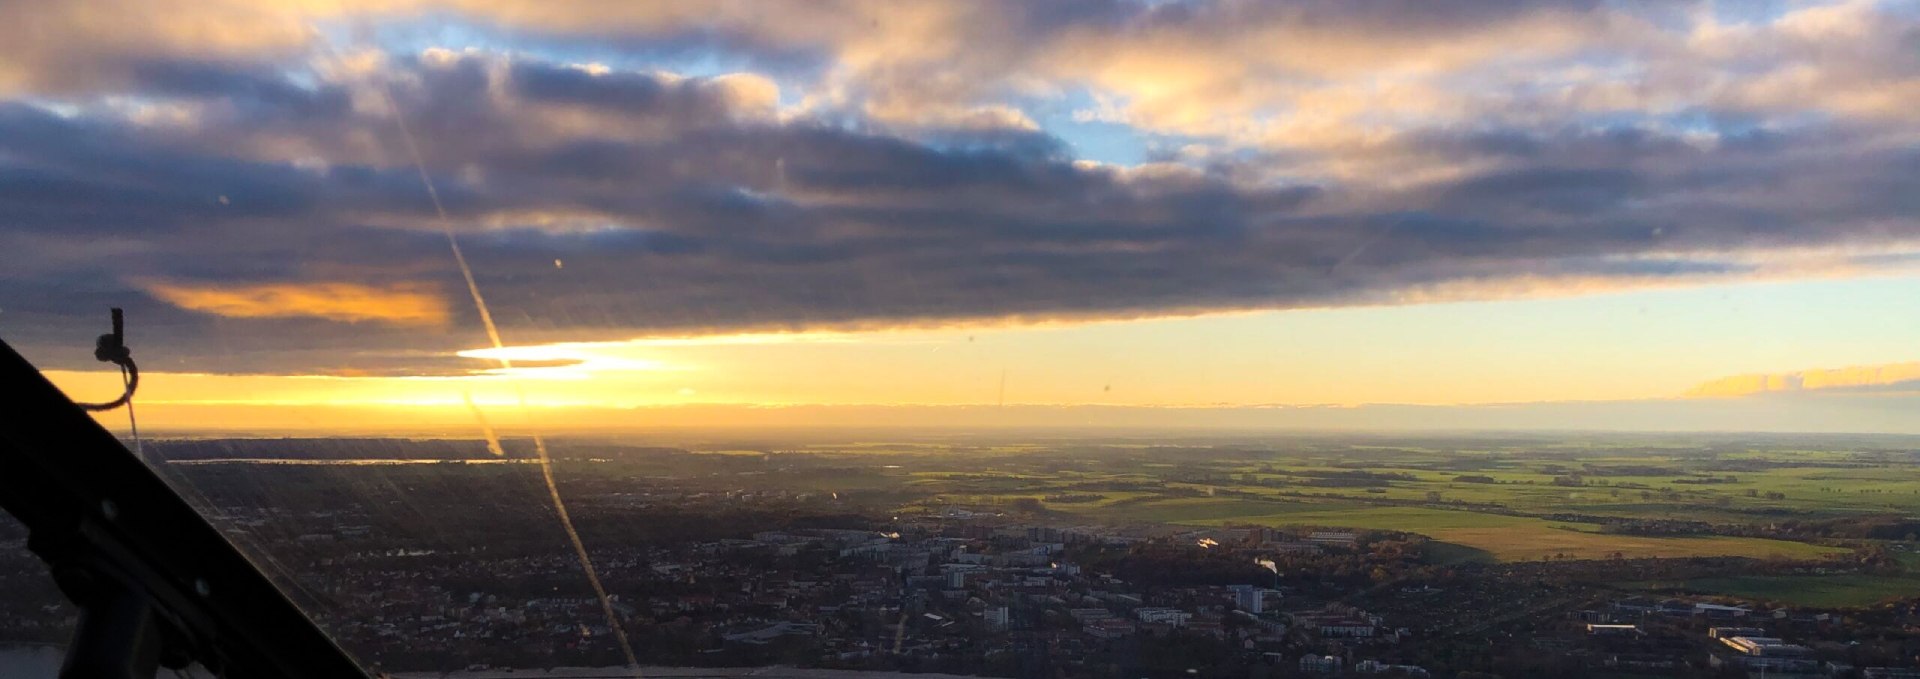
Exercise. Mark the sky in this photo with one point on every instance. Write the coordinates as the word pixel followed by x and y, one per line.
pixel 1583 214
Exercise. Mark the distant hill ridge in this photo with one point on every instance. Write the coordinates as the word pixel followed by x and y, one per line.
pixel 333 449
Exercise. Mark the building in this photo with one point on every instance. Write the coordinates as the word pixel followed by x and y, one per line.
pixel 1634 605
pixel 1730 632
pixel 1676 607
pixel 996 617
pixel 1347 628
pixel 1889 673
pixel 1110 628
pixel 1291 547
pixel 1377 667
pixel 1249 598
pixel 1322 664
pixel 1086 615
pixel 1599 630
pixel 768 633
pixel 1760 664
pixel 1167 616
pixel 1333 538
pixel 1719 611
pixel 1770 647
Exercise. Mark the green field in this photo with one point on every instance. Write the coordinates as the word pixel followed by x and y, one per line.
pixel 1824 591
pixel 1515 538
pixel 1205 511
pixel 1506 498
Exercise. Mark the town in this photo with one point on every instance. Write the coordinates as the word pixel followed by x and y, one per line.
pixel 458 566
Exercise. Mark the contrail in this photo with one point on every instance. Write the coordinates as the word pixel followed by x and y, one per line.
pixel 493 334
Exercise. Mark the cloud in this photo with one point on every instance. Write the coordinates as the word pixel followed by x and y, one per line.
pixel 1867 378
pixel 679 206
pixel 348 302
pixel 56 48
pixel 1295 75
pixel 642 94
pixel 889 165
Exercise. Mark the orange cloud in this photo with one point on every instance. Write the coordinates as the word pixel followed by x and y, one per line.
pixel 1826 379
pixel 403 304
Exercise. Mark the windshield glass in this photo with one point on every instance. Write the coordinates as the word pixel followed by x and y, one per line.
pixel 36 620
pixel 1061 339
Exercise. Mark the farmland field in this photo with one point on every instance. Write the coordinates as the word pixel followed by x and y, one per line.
pixel 1826 591
pixel 1511 498
pixel 1510 538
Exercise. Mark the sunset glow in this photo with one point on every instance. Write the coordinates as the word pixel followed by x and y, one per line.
pixel 1692 208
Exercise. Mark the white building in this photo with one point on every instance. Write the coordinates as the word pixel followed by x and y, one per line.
pixel 1347 628
pixel 1764 646
pixel 1337 539
pixel 1249 598
pixel 996 617
pixel 1086 615
pixel 1377 667
pixel 1323 664
pixel 1169 616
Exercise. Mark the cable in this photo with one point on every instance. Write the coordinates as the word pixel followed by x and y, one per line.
pixel 112 348
pixel 130 376
pixel 133 425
